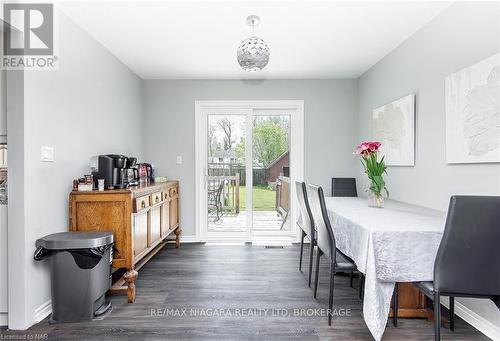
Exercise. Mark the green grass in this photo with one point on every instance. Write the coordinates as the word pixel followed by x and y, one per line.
pixel 264 199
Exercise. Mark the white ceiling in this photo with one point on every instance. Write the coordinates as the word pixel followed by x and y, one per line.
pixel 198 39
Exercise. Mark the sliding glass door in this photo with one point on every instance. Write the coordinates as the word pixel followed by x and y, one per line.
pixel 245 192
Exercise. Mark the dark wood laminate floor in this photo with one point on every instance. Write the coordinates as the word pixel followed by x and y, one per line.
pixel 236 278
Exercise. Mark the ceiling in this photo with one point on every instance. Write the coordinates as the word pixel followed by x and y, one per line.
pixel 198 39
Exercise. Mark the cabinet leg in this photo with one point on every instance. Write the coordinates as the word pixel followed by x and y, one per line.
pixel 130 276
pixel 177 237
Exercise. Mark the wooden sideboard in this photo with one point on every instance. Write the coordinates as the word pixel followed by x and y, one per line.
pixel 140 218
pixel 411 302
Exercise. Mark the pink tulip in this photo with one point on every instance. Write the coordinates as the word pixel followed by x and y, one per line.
pixel 367 148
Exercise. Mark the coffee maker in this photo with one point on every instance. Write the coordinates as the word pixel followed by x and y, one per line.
pixel 132 172
pixel 111 168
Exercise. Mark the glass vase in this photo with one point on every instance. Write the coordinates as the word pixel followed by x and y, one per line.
pixel 375 199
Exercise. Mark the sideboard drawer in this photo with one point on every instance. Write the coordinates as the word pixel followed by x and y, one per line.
pixel 173 192
pixel 165 195
pixel 156 198
pixel 142 203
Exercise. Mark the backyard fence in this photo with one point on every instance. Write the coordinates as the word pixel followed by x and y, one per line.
pixel 233 169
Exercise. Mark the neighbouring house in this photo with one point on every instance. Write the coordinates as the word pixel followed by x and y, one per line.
pixel 275 169
pixel 224 156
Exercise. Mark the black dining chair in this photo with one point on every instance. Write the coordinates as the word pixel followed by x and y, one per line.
pixel 468 259
pixel 214 199
pixel 325 241
pixel 306 225
pixel 344 187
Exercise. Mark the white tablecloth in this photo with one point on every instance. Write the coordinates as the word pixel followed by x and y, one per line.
pixel 397 243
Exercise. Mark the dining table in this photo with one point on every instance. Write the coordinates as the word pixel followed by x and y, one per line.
pixel 396 243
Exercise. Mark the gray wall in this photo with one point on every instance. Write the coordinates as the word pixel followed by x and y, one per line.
pixel 91 105
pixel 462 35
pixel 329 132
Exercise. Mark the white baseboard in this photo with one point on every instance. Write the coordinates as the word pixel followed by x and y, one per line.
pixel 42 311
pixel 478 322
pixel 184 239
pixel 4 319
pixel 189 239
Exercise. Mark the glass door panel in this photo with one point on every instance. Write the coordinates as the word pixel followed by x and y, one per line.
pixel 226 174
pixel 271 173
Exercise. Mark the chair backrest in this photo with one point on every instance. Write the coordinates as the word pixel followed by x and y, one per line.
pixel 219 190
pixel 324 233
pixel 468 258
pixel 344 187
pixel 305 210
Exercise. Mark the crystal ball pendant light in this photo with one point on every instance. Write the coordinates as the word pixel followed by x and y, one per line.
pixel 253 52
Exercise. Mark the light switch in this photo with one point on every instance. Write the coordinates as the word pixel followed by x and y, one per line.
pixel 47 154
pixel 179 159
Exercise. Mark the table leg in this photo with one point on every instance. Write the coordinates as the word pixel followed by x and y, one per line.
pixel 177 237
pixel 130 276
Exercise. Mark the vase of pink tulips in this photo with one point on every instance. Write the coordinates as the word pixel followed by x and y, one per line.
pixel 374 169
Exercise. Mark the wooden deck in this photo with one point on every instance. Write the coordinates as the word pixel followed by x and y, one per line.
pixel 262 221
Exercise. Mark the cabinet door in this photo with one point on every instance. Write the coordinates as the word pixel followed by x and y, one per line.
pixel 140 233
pixel 155 224
pixel 174 213
pixel 165 221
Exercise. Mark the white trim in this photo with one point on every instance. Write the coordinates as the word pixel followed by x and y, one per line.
pixel 189 239
pixel 266 104
pixel 472 318
pixel 4 319
pixel 184 239
pixel 225 244
pixel 42 312
pixel 271 241
pixel 250 108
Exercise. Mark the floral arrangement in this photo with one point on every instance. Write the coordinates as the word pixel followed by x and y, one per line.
pixel 374 169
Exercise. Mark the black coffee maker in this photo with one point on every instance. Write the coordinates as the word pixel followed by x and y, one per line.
pixel 111 168
pixel 132 172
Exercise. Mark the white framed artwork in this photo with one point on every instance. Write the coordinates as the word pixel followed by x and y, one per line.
pixel 394 128
pixel 472 99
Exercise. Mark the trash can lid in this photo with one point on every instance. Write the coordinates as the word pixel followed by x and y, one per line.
pixel 75 240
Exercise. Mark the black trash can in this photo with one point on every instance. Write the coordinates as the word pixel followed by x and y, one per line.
pixel 80 273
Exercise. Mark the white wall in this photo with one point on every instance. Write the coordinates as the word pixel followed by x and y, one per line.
pixel 330 123
pixel 3 105
pixel 91 105
pixel 462 35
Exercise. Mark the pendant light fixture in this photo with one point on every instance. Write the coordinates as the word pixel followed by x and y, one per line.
pixel 253 52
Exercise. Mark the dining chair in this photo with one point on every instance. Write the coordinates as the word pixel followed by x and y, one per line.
pixel 344 187
pixel 325 241
pixel 306 225
pixel 214 199
pixel 468 259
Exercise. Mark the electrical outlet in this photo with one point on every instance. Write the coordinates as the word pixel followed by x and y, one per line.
pixel 47 154
pixel 179 159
